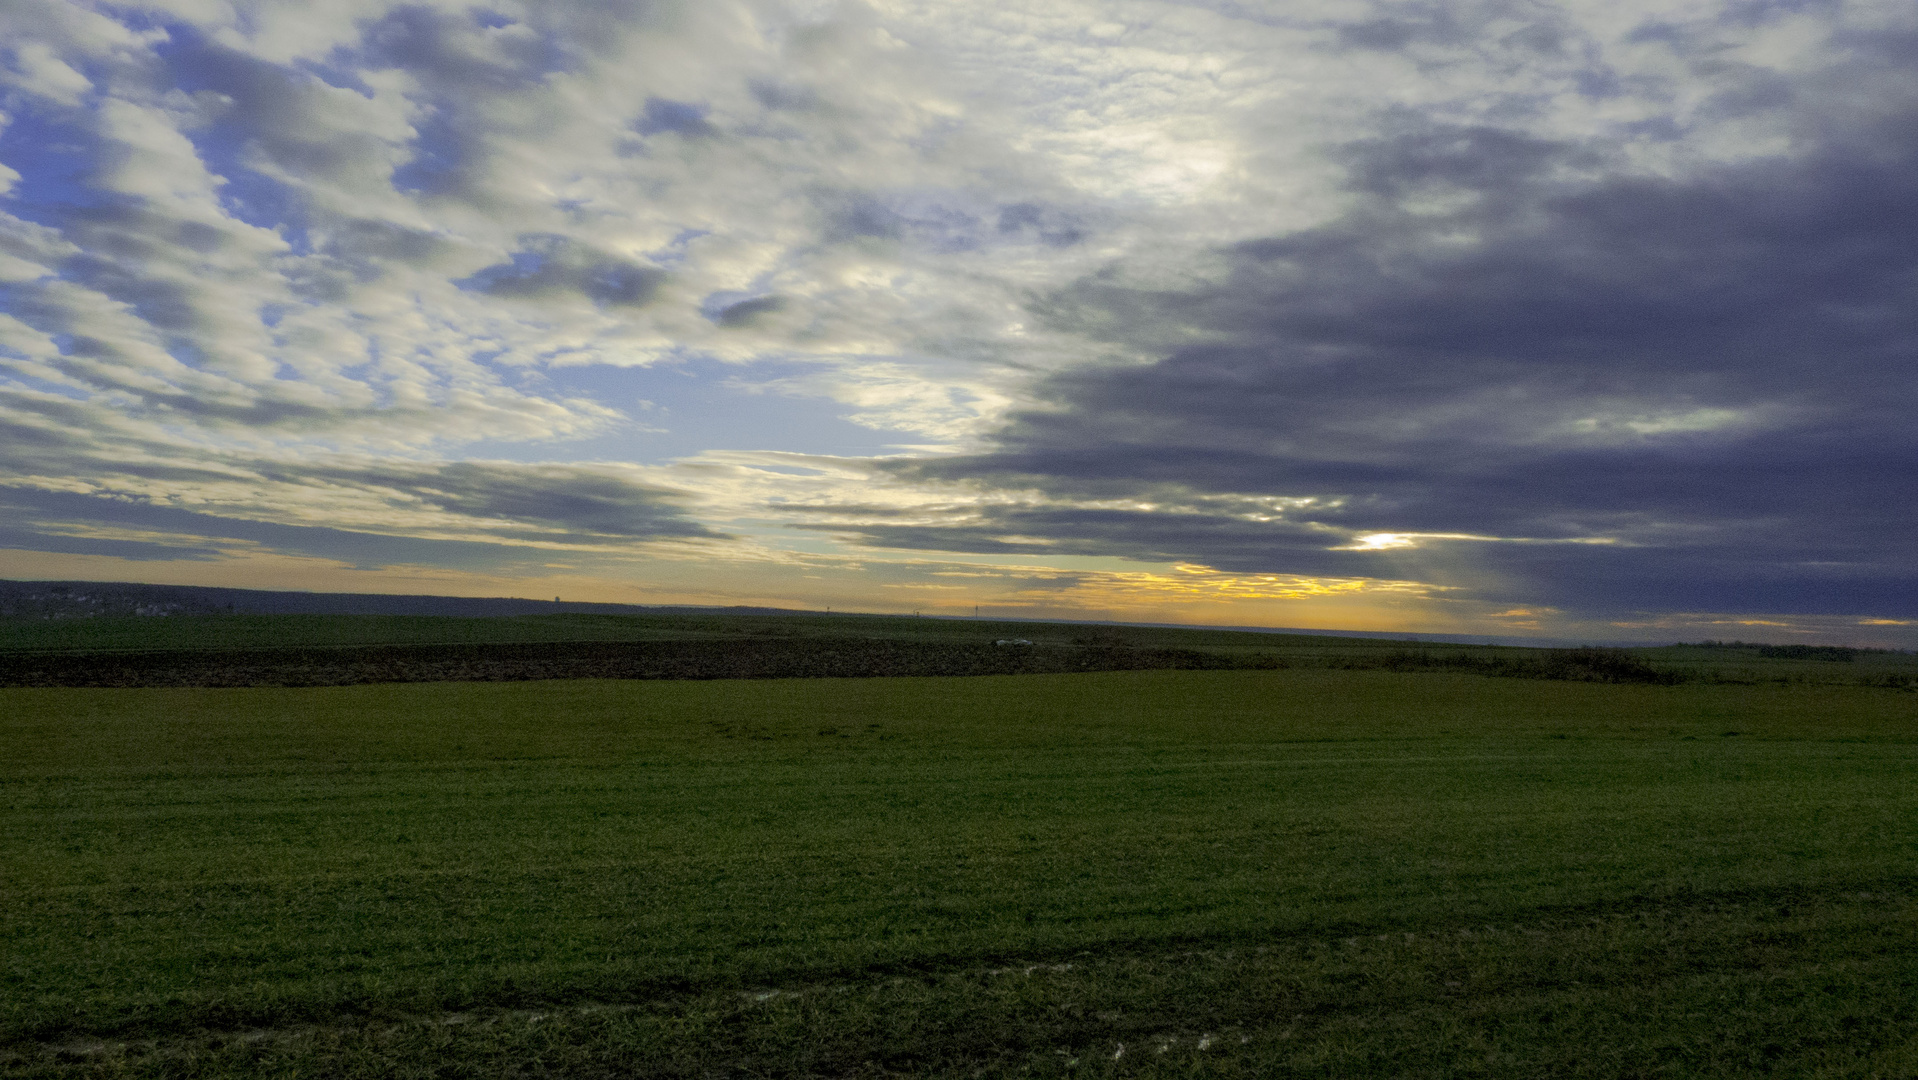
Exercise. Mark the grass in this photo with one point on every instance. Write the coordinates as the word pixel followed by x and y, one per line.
pixel 1312 872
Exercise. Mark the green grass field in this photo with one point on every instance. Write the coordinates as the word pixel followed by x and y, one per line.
pixel 1303 872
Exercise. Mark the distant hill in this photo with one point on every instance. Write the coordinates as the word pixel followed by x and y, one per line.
pixel 80 599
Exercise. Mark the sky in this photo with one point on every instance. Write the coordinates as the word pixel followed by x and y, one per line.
pixel 1593 320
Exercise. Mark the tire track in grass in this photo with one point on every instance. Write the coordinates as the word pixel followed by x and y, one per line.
pixel 1134 1011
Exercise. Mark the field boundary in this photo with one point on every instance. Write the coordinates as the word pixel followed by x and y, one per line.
pixel 818 657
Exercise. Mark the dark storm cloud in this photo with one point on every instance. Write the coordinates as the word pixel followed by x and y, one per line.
pixel 1716 374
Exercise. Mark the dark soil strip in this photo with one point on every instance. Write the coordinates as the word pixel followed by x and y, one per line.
pixel 750 659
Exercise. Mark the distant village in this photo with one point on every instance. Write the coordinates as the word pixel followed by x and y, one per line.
pixel 84 600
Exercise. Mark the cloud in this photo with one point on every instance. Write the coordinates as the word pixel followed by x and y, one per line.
pixel 1555 377
pixel 548 267
pixel 568 503
pixel 467 514
pixel 553 503
pixel 682 117
pixel 747 312
pixel 1560 306
pixel 71 524
pixel 305 220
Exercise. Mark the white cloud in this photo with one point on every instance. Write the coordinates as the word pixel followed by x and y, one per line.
pixel 37 70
